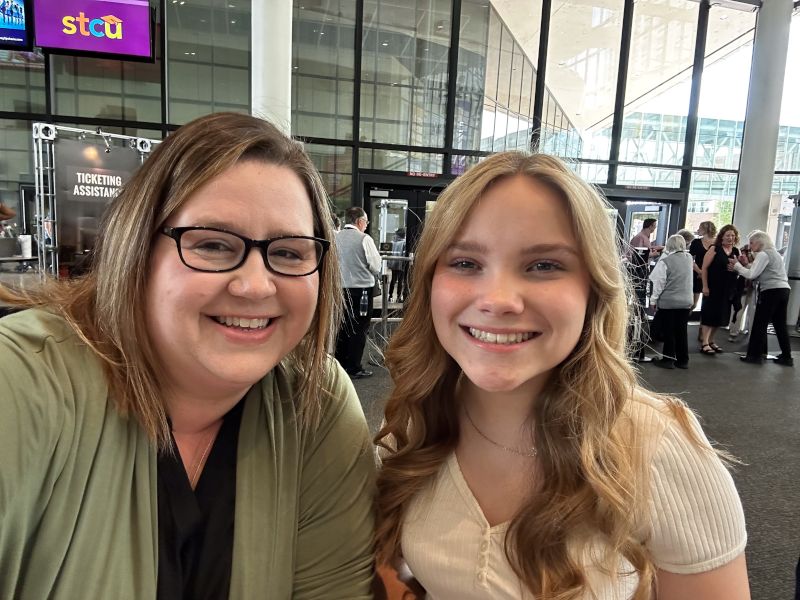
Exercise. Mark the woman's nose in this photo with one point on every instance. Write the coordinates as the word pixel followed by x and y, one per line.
pixel 252 279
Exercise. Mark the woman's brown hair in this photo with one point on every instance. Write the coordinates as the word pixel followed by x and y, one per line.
pixel 106 307
pixel 725 229
pixel 591 483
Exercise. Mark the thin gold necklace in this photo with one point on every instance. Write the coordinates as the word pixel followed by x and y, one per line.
pixel 530 453
pixel 196 470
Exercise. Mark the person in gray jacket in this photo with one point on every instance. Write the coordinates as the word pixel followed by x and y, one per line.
pixel 359 263
pixel 773 298
pixel 672 295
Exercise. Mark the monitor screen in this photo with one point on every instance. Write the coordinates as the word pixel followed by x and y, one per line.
pixel 119 28
pixel 16 31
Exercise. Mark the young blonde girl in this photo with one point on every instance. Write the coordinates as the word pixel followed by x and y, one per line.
pixel 520 458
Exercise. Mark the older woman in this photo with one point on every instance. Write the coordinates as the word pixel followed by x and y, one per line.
pixel 672 295
pixel 171 425
pixel 773 284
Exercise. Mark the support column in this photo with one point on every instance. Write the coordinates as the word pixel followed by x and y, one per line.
pixel 759 145
pixel 271 61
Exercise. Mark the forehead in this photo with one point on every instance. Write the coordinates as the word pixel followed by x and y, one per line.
pixel 520 206
pixel 250 196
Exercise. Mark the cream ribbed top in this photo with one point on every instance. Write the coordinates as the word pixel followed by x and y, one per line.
pixel 695 524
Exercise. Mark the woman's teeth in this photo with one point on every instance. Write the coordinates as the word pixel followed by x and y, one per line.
pixel 500 338
pixel 242 323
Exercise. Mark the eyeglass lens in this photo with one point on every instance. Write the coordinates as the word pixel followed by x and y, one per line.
pixel 216 250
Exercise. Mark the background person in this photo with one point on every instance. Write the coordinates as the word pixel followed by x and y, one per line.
pixel 642 239
pixel 359 262
pixel 719 286
pixel 773 298
pixel 398 267
pixel 698 248
pixel 672 295
pixel 170 424
pixel 520 458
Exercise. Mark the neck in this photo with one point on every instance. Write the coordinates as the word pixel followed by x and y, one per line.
pixel 194 415
pixel 501 415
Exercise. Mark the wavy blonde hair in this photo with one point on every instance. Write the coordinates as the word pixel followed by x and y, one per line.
pixel 106 307
pixel 591 482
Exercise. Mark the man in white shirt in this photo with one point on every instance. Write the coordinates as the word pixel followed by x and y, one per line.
pixel 359 262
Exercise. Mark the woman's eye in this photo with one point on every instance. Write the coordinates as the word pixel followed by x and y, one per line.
pixel 212 247
pixel 544 266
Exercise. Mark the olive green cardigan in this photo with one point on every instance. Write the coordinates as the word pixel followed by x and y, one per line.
pixel 78 506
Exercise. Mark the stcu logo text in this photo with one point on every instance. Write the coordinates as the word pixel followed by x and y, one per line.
pixel 108 26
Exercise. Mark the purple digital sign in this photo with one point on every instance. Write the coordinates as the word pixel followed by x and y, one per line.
pixel 120 27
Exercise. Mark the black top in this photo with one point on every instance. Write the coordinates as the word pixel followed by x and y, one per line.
pixel 195 528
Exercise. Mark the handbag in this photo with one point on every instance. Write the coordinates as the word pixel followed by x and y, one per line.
pixel 376 289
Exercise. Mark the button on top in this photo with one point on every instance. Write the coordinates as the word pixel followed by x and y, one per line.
pixel 484 546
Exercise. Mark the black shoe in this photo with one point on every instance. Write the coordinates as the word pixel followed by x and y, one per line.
pixel 363 373
pixel 751 359
pixel 786 361
pixel 682 365
pixel 664 363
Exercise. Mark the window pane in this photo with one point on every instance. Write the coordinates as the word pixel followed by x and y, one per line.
pixel 106 88
pixel 788 156
pixel 649 176
pixel 582 65
pixel 405 49
pixel 322 69
pixel 711 198
pixel 779 221
pixel 335 165
pixel 659 81
pixel 22 81
pixel 472 74
pixel 209 58
pixel 16 165
pixel 723 96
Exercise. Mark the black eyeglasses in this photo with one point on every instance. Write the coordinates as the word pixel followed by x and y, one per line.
pixel 217 251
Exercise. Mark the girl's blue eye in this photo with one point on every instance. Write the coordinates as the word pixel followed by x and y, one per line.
pixel 545 266
pixel 463 264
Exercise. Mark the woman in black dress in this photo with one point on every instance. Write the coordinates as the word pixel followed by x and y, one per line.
pixel 718 286
pixel 698 248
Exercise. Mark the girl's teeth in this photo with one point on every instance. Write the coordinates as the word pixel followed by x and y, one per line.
pixel 500 338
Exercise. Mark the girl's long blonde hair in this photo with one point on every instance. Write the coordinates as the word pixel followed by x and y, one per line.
pixel 590 480
pixel 106 307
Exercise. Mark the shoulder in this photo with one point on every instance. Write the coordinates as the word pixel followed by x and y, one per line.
pixel 37 340
pixel 340 417
pixel 696 522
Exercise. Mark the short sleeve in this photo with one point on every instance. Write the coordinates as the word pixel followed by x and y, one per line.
pixel 696 515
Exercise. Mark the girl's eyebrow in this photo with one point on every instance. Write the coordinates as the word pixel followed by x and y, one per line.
pixel 535 249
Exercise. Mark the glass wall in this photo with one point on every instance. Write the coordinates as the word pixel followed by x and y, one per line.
pixel 16 161
pixel 582 66
pixel 22 82
pixel 711 198
pixel 404 72
pixel 208 64
pixel 658 86
pixel 335 165
pixel 323 60
pixel 107 89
